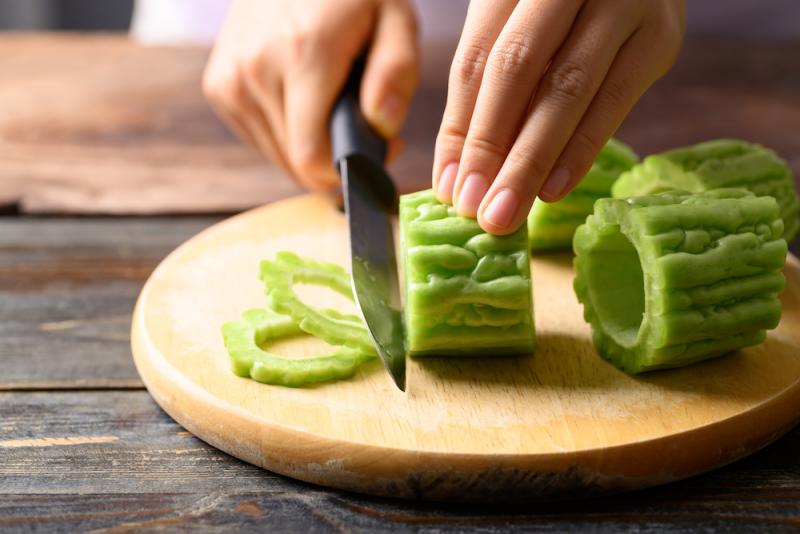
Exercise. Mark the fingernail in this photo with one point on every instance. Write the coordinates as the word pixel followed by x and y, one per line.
pixel 472 192
pixel 389 115
pixel 501 210
pixel 446 182
pixel 556 182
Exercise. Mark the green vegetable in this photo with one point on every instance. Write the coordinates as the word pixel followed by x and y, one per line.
pixel 466 292
pixel 552 224
pixel 279 277
pixel 675 278
pixel 243 338
pixel 716 164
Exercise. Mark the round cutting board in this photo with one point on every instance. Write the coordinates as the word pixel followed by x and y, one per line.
pixel 560 423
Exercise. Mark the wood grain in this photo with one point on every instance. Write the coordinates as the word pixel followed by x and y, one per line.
pixel 129 131
pixel 157 476
pixel 67 288
pixel 561 423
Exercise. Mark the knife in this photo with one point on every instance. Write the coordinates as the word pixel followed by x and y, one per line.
pixel 370 200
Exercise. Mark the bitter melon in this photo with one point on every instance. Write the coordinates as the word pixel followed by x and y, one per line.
pixel 551 225
pixel 674 278
pixel 286 316
pixel 466 292
pixel 717 164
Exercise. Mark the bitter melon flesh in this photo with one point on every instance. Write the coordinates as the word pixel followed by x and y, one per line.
pixel 717 164
pixel 551 225
pixel 674 278
pixel 467 292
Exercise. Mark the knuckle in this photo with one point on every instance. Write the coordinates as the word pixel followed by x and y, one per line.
pixel 252 64
pixel 511 57
pixel 485 146
pixel 616 92
pixel 302 41
pixel 468 65
pixel 528 164
pixel 569 81
pixel 585 145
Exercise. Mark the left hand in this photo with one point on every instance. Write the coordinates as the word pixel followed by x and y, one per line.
pixel 536 89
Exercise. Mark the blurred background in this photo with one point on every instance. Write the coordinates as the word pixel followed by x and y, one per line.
pixel 770 19
pixel 96 120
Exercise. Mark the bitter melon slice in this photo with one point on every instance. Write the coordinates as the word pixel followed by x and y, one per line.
pixel 244 338
pixel 551 225
pixel 466 292
pixel 717 164
pixel 674 278
pixel 287 315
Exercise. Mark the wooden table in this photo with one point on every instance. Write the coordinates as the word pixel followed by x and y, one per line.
pixel 82 445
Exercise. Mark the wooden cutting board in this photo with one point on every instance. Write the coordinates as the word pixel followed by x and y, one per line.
pixel 560 423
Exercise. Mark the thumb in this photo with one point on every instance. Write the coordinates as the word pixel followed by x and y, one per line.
pixel 392 68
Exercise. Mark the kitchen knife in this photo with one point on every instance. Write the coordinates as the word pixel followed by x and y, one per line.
pixel 370 199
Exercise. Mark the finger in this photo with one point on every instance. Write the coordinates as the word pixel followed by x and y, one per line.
pixel 318 65
pixel 392 68
pixel 629 77
pixel 484 22
pixel 518 58
pixel 262 81
pixel 563 95
pixel 233 104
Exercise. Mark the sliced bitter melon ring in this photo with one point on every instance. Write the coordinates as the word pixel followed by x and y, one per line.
pixel 280 275
pixel 675 278
pixel 244 338
pixel 466 292
pixel 551 225
pixel 717 164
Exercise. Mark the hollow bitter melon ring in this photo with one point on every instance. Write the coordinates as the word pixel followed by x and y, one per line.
pixel 675 278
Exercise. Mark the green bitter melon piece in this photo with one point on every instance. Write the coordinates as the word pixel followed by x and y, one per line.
pixel 287 269
pixel 721 163
pixel 466 292
pixel 286 316
pixel 244 338
pixel 551 225
pixel 675 278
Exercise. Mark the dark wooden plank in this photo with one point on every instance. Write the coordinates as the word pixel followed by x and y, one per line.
pixel 141 470
pixel 67 290
pixel 67 145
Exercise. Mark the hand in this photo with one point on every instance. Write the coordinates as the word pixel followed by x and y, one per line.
pixel 278 66
pixel 536 89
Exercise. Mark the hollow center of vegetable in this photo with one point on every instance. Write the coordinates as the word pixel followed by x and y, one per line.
pixel 616 285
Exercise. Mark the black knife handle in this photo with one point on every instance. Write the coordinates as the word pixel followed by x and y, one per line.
pixel 350 132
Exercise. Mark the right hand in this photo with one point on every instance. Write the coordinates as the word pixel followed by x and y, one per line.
pixel 278 66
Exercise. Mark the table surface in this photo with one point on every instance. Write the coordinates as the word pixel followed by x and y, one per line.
pixel 83 446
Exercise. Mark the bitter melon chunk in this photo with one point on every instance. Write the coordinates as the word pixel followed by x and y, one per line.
pixel 674 278
pixel 551 225
pixel 467 292
pixel 722 163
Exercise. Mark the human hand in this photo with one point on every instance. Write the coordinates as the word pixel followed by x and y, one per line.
pixel 278 66
pixel 536 89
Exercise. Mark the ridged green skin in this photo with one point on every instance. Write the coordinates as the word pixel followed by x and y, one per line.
pixel 717 164
pixel 466 292
pixel 287 316
pixel 671 279
pixel 551 225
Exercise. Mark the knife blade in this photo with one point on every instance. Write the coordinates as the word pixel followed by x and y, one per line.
pixel 370 199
